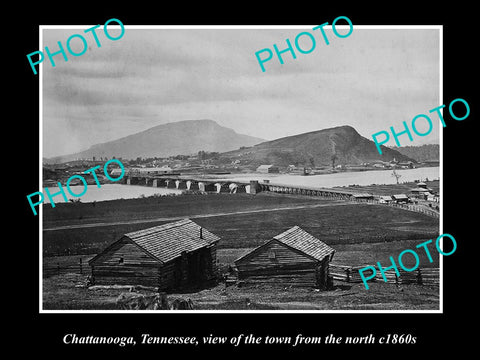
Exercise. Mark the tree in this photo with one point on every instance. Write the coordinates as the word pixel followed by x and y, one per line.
pixel 333 158
pixel 397 176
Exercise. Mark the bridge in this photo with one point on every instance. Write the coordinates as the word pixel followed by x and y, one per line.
pixel 206 185
pixel 201 184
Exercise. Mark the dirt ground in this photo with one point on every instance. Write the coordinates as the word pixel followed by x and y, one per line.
pixel 67 292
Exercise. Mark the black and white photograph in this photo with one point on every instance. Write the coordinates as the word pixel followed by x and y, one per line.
pixel 240 189
pixel 221 184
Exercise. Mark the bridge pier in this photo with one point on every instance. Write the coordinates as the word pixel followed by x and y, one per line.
pixel 132 180
pixel 194 186
pixel 254 187
pixel 171 184
pixel 180 184
pixel 222 187
pixel 241 188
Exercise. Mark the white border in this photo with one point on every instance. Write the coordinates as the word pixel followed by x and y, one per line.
pixel 245 27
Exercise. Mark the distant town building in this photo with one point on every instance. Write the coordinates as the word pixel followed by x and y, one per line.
pixel 405 165
pixel 149 170
pixel 115 172
pixel 268 169
pixel 385 199
pixel 363 196
pixel 400 198
pixel 432 162
pixel 421 191
pixel 422 185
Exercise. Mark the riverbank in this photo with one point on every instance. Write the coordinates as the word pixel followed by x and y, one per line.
pixel 343 178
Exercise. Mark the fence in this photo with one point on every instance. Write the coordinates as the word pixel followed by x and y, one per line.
pixel 415 208
pixel 425 276
pixel 64 268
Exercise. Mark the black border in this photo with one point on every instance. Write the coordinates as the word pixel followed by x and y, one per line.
pixel 43 333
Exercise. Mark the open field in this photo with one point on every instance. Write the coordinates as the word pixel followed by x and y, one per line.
pixel 163 207
pixel 334 222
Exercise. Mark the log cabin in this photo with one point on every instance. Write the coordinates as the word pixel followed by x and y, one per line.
pixel 170 256
pixel 292 258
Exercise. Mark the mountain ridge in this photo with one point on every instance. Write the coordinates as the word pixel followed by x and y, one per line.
pixel 331 146
pixel 421 153
pixel 337 145
pixel 175 138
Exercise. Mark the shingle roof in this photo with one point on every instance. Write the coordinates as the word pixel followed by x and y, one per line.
pixel 360 195
pixel 167 242
pixel 301 240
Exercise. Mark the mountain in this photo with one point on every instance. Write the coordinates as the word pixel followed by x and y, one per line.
pixel 177 138
pixel 316 148
pixel 420 153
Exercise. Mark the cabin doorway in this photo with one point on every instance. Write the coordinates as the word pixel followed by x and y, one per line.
pixel 194 268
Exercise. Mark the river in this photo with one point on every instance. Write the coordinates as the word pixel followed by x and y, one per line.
pixel 379 177
pixel 110 192
pixel 118 191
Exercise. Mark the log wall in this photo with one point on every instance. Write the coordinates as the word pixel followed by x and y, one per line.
pixel 124 263
pixel 275 263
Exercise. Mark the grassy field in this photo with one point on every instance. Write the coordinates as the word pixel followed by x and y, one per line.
pixel 360 233
pixel 163 206
pixel 334 222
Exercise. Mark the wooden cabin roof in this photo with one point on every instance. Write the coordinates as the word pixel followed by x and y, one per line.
pixel 301 240
pixel 168 241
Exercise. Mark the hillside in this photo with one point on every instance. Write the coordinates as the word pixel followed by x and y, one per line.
pixel 178 138
pixel 343 144
pixel 420 153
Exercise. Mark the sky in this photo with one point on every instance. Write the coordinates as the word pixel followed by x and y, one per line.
pixel 371 80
